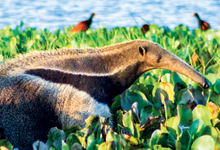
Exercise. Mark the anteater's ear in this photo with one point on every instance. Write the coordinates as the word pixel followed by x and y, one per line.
pixel 142 50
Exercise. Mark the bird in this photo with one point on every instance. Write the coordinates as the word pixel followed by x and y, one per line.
pixel 145 28
pixel 203 25
pixel 83 25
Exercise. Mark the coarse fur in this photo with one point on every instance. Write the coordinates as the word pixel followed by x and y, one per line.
pixel 62 88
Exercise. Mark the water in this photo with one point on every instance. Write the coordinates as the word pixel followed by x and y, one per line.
pixel 57 14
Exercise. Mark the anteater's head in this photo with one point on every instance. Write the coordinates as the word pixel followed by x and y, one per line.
pixel 153 56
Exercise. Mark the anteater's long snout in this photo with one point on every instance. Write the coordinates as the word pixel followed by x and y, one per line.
pixel 185 69
pixel 174 63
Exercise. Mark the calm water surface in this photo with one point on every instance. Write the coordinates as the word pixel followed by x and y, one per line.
pixel 57 14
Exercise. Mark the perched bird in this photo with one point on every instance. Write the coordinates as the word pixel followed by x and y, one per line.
pixel 145 28
pixel 203 25
pixel 83 25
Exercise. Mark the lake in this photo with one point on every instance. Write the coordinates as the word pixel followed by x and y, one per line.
pixel 57 14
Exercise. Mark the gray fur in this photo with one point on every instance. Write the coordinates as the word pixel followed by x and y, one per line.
pixel 63 87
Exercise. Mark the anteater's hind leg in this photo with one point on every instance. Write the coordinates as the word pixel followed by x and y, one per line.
pixel 24 135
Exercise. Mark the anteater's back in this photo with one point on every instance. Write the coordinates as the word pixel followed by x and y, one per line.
pixel 31 105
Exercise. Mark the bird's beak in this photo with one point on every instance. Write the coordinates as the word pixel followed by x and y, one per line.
pixel 193 15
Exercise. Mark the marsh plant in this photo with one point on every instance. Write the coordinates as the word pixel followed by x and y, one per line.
pixel 161 110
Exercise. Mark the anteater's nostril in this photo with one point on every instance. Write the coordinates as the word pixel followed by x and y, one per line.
pixel 206 84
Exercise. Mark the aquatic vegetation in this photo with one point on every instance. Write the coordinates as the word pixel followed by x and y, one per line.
pixel 161 110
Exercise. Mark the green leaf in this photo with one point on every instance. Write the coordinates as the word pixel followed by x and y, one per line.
pixel 170 109
pixel 171 140
pixel 172 125
pixel 181 79
pixel 212 78
pixel 158 137
pixel 163 91
pixel 137 131
pixel 21 23
pixel 116 105
pixel 56 138
pixel 196 127
pixel 191 95
pixel 29 44
pixel 71 139
pixel 183 96
pixel 197 96
pixel 208 130
pixel 127 102
pixel 137 94
pixel 91 138
pixel 178 78
pixel 184 114
pixel 215 99
pixel 214 109
pixel 166 77
pixel 119 116
pixel 64 146
pixel 140 87
pixel 148 81
pixel 133 141
pixel 205 142
pixel 159 147
pixel 71 129
pixel 6 144
pixel 147 114
pixel 128 121
pixel 112 136
pixel 215 69
pixel 183 140
pixel 92 122
pixel 12 46
pixel 154 28
pixel 216 86
pixel 112 145
pixel 201 112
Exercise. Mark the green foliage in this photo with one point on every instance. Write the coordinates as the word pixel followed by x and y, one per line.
pixel 5 145
pixel 161 110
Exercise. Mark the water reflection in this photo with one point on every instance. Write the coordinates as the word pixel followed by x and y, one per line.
pixel 56 14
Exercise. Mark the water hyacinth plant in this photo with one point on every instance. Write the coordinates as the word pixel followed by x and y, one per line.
pixel 161 110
